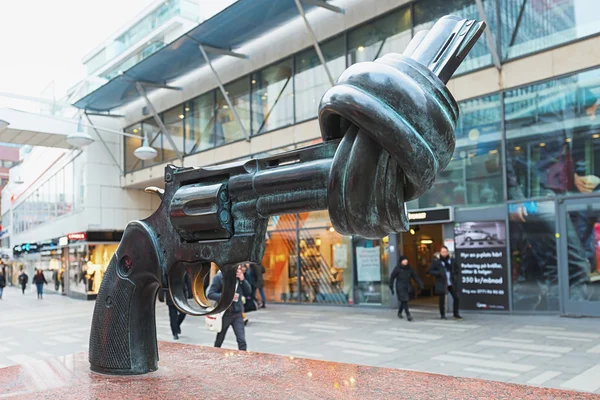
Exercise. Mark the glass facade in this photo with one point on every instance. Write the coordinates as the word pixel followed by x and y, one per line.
pixel 289 91
pixel 59 195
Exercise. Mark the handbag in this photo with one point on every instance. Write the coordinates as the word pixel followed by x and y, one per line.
pixel 214 323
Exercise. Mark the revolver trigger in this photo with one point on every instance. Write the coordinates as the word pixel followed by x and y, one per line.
pixel 157 191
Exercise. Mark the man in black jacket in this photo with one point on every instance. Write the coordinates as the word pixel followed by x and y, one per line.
pixel 233 315
pixel 447 280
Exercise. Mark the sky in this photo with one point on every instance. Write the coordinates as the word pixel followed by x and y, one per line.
pixel 44 41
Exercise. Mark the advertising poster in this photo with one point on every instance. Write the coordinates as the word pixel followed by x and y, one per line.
pixel 368 264
pixel 340 255
pixel 481 254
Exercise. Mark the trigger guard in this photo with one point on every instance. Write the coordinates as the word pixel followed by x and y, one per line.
pixel 180 300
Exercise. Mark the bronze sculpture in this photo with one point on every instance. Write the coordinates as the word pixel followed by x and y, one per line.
pixel 387 128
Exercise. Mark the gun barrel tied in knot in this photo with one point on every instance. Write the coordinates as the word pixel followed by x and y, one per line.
pixel 387 129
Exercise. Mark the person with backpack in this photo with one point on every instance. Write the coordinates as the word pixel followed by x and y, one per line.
pixel 402 276
pixel 233 315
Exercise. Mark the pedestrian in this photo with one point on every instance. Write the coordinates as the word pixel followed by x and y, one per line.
pixel 447 275
pixel 55 279
pixel 23 279
pixel 2 283
pixel 176 317
pixel 402 275
pixel 258 271
pixel 39 279
pixel 233 315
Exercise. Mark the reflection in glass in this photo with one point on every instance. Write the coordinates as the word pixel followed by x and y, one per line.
pixel 272 97
pixel 534 259
pixel 311 79
pixel 474 175
pixel 390 34
pixel 530 26
pixel 280 262
pixel 372 272
pixel 227 129
pixel 427 12
pixel 155 139
pixel 173 120
pixel 583 251
pixel 325 273
pixel 132 162
pixel 200 123
pixel 552 134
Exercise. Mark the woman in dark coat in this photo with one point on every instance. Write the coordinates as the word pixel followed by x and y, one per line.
pixel 402 274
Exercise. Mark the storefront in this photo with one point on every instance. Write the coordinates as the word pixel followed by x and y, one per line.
pixel 85 257
pixel 73 265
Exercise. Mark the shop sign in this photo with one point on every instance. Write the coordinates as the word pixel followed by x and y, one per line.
pixel 26 248
pixel 77 236
pixel 430 216
pixel 481 256
pixel 63 241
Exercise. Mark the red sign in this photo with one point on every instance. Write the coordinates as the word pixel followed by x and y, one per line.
pixel 77 236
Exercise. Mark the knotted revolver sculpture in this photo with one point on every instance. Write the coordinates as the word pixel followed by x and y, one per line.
pixel 387 129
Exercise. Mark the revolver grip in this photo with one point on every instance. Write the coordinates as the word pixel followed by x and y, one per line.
pixel 123 333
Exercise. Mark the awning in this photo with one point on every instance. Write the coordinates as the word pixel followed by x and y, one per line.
pixel 238 24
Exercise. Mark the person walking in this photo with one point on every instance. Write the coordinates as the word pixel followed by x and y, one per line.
pixel 176 317
pixel 233 315
pixel 446 274
pixel 2 283
pixel 39 279
pixel 55 279
pixel 23 279
pixel 258 271
pixel 402 275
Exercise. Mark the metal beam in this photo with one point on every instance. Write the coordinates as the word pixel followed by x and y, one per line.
pixel 220 51
pixel 159 122
pixel 324 4
pixel 154 84
pixel 224 92
pixel 518 24
pixel 488 35
pixel 95 114
pixel 87 116
pixel 315 42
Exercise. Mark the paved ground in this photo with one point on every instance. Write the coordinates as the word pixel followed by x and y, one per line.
pixel 536 350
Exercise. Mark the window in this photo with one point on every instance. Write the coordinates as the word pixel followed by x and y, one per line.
pixel 155 139
pixel 132 162
pixel 272 97
pixel 227 129
pixel 529 26
pixel 200 123
pixel 390 34
pixel 7 164
pixel 311 78
pixel 553 138
pixel 173 120
pixel 427 12
pixel 68 192
pixel 474 175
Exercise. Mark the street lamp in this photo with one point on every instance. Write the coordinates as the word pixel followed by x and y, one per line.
pixel 145 152
pixel 79 138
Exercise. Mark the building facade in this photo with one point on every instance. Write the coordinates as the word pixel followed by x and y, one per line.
pixel 517 205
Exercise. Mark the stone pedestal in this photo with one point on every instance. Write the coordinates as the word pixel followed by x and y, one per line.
pixel 197 372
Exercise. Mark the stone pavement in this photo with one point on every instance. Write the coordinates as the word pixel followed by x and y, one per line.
pixel 546 351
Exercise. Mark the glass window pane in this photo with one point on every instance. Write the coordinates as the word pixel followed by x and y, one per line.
pixel 311 79
pixel 200 123
pixel 272 97
pixel 427 12
pixel 534 261
pixel 325 279
pixel 173 120
pixel 52 195
pixel 552 137
pixel 60 193
pixel 530 26
pixel 474 175
pixel 280 262
pixel 132 162
pixel 372 272
pixel 228 129
pixel 78 185
pixel 390 34
pixel 68 201
pixel 151 130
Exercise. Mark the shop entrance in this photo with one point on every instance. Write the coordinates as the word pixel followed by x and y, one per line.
pixel 418 245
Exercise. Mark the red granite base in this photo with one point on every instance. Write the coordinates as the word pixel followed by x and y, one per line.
pixel 187 372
